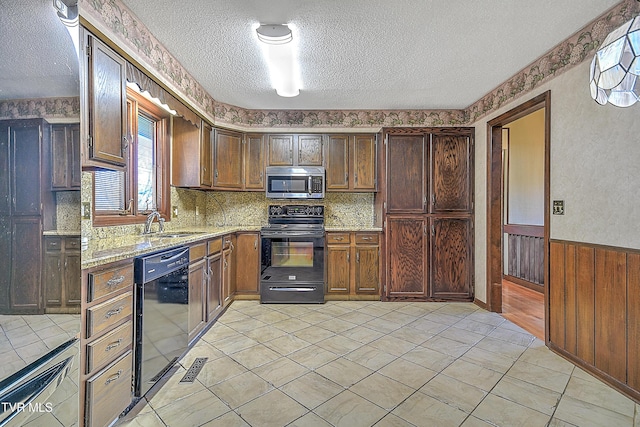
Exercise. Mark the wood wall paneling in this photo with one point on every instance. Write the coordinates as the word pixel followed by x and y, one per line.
pixel 633 319
pixel 557 295
pixel 570 343
pixel 585 303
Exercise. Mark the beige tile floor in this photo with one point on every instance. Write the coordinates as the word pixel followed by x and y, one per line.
pixel 384 364
pixel 23 339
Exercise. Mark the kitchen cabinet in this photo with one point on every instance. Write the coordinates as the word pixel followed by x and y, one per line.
pixel 65 157
pixel 247 263
pixel 350 162
pixel 428 212
pixel 214 279
pixel 228 173
pixel 61 274
pixel 254 162
pixel 106 113
pixel 23 146
pixel 228 269
pixel 192 154
pixel 295 150
pixel 197 289
pixel 353 268
pixel 106 343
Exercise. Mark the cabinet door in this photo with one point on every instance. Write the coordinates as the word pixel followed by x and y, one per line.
pixel 73 156
pixel 309 150
pixel 407 247
pixel 451 174
pixel 26 266
pixel 5 262
pixel 187 166
pixel 196 297
pixel 338 268
pixel 228 160
pixel 53 278
pixel 280 150
pixel 406 174
pixel 59 158
pixel 206 155
pixel 367 276
pixel 452 259
pixel 107 105
pixel 26 166
pixel 337 162
pixel 254 162
pixel 364 163
pixel 248 263
pixel 214 286
pixel 72 282
pixel 5 172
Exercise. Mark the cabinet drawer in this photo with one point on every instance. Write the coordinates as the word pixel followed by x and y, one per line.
pixel 338 238
pixel 197 252
pixel 105 282
pixel 367 238
pixel 109 392
pixel 102 316
pixel 214 246
pixel 53 243
pixel 109 346
pixel 72 243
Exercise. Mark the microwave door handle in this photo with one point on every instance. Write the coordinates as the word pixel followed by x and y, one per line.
pixel 310 185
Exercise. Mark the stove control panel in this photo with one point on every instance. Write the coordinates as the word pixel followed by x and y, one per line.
pixel 292 211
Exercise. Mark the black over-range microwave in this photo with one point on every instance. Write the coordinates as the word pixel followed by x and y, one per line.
pixel 295 182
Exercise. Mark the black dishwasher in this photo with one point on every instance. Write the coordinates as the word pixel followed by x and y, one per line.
pixel 162 314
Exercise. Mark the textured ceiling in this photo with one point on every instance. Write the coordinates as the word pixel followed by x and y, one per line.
pixel 365 54
pixel 37 58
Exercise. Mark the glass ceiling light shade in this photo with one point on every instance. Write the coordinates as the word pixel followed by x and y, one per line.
pixel 616 66
pixel 280 52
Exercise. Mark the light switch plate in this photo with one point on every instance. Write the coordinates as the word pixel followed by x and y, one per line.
pixel 86 210
pixel 174 212
pixel 558 207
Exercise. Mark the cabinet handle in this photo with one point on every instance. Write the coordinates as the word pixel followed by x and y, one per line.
pixel 114 312
pixel 424 201
pixel 357 257
pixel 113 345
pixel 255 244
pixel 225 265
pixel 424 230
pixel 261 175
pixel 339 238
pixel 113 377
pixel 348 257
pixel 366 238
pixel 433 230
pixel 114 281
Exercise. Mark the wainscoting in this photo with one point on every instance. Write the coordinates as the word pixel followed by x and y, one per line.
pixel 594 310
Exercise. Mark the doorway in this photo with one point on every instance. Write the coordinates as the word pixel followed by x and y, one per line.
pixel 517 251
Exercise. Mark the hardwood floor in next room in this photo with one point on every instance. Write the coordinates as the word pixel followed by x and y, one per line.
pixel 524 307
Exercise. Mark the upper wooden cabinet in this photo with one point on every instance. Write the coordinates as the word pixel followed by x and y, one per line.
pixel 451 189
pixel 350 162
pixel 228 159
pixel 65 157
pixel 407 183
pixel 192 155
pixel 107 108
pixel 254 163
pixel 295 150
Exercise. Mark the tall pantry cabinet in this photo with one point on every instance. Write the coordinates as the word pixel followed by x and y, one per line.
pixel 428 213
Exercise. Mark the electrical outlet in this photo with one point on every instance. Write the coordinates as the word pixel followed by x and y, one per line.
pixel 197 211
pixel 174 212
pixel 86 210
pixel 558 207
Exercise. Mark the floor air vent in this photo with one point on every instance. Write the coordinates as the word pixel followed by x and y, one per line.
pixel 194 370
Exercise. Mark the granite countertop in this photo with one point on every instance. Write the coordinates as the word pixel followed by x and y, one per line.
pixel 97 252
pixel 62 233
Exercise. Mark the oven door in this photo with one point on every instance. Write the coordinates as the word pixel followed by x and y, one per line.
pixel 292 268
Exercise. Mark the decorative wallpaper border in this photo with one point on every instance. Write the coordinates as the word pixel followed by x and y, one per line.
pixel 123 27
pixel 46 108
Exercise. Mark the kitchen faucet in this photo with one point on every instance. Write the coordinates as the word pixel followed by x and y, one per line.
pixel 147 224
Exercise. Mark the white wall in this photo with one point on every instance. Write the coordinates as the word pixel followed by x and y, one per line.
pixel 595 169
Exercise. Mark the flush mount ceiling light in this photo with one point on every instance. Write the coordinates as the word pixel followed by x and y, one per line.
pixel 280 53
pixel 616 66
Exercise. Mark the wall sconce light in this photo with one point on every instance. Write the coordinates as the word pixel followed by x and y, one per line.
pixel 616 66
pixel 280 53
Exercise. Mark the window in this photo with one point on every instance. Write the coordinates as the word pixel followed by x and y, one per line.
pixel 128 196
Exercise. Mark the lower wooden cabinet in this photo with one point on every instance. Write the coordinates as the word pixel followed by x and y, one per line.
pixel 353 265
pixel 197 289
pixel 247 263
pixel 214 279
pixel 106 343
pixel 228 269
pixel 61 274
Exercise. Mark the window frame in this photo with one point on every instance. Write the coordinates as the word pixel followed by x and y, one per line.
pixel 132 214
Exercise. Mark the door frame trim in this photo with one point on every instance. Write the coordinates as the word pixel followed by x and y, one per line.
pixel 495 199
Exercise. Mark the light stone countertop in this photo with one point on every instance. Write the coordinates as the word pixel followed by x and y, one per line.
pixel 98 252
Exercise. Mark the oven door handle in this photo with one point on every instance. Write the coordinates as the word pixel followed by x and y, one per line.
pixel 293 234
